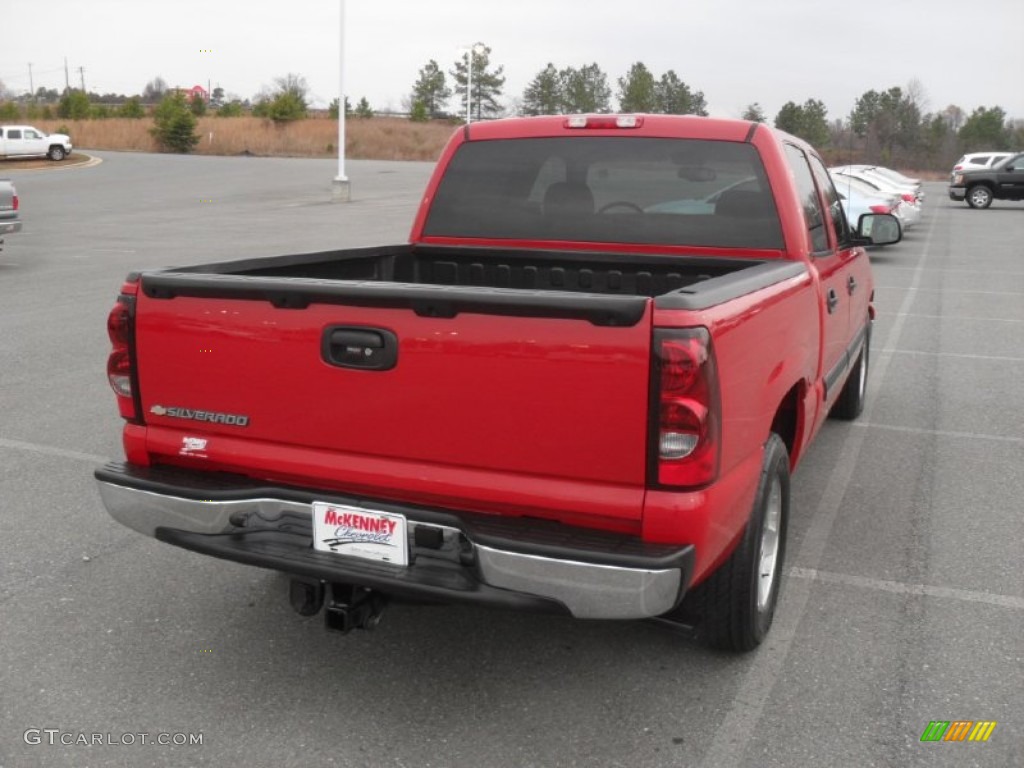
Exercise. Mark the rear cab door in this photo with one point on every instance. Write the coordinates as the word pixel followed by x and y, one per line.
pixel 14 144
pixel 833 265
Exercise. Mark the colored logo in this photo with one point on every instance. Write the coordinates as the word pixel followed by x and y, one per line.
pixel 959 730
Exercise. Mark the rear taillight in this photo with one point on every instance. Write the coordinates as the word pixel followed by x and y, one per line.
pixel 908 197
pixel 120 364
pixel 15 201
pixel 685 430
pixel 881 209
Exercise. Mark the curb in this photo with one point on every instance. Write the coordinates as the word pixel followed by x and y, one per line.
pixel 91 162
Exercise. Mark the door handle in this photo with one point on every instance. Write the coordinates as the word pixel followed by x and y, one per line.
pixel 831 300
pixel 851 285
pixel 368 349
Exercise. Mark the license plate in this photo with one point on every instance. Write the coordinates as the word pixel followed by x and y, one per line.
pixel 362 533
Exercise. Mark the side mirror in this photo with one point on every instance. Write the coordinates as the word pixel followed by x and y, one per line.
pixel 878 229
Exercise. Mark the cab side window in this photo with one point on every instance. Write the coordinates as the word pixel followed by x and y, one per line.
pixel 814 216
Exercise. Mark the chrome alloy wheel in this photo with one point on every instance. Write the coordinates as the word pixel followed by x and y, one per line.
pixel 980 197
pixel 768 557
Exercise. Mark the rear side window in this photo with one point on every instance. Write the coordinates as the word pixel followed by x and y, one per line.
pixel 608 190
pixel 814 216
pixel 14 134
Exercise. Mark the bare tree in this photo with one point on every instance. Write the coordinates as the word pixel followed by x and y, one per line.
pixel 916 95
pixel 154 90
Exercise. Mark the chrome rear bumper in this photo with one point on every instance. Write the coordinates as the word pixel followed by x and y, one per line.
pixel 453 556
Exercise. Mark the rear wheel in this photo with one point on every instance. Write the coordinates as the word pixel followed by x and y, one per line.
pixel 56 153
pixel 736 604
pixel 979 196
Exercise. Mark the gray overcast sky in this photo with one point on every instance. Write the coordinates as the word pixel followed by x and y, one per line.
pixel 735 51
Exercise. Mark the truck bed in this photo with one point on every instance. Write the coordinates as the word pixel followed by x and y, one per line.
pixel 492 275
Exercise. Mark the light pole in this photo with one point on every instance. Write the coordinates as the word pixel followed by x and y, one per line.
pixel 475 48
pixel 341 188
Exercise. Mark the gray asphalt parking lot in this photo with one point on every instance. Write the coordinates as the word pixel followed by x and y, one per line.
pixel 903 601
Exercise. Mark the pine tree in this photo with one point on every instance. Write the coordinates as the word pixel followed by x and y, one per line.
pixel 815 123
pixel 585 90
pixel 175 125
pixel 789 118
pixel 431 90
pixel 543 96
pixel 363 108
pixel 986 128
pixel 674 97
pixel 755 113
pixel 487 83
pixel 807 121
pixel 637 91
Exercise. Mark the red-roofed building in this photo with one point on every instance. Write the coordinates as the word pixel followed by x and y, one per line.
pixel 193 93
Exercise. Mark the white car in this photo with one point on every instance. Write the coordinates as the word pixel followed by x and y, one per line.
pixel 978 160
pixel 883 185
pixel 857 203
pixel 874 174
pixel 894 176
pixel 909 213
pixel 20 141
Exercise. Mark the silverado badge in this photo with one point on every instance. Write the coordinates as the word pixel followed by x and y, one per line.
pixel 213 417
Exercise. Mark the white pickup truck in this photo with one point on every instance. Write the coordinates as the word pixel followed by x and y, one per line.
pixel 18 141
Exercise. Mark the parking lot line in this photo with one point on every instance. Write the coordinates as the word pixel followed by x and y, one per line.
pixel 949 290
pixel 939 432
pixel 1001 358
pixel 958 318
pixel 47 450
pixel 899 588
pixel 1004 272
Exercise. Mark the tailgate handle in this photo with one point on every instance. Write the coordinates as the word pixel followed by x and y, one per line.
pixel 368 349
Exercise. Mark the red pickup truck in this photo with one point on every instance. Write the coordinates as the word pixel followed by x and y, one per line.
pixel 581 387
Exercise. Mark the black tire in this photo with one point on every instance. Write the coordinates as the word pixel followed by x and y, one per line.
pixel 56 152
pixel 979 196
pixel 734 607
pixel 850 404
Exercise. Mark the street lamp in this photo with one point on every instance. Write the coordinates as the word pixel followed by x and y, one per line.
pixel 475 48
pixel 341 188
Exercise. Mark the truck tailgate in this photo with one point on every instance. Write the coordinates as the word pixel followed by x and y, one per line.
pixel 552 398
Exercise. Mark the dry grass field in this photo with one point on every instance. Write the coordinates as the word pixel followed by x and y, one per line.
pixel 378 138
